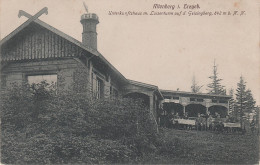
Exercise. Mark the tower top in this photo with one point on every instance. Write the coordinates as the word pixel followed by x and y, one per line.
pixel 89 16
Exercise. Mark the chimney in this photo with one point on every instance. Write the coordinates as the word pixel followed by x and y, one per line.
pixel 89 22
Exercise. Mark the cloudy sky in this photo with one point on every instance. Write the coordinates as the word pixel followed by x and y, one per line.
pixel 162 50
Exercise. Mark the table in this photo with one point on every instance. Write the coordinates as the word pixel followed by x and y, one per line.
pixel 232 125
pixel 185 121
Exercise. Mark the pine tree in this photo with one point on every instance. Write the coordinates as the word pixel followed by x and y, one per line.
pixel 231 102
pixel 245 102
pixel 195 88
pixel 215 87
pixel 241 99
pixel 250 102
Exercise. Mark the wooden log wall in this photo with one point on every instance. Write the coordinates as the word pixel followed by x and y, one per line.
pixel 38 44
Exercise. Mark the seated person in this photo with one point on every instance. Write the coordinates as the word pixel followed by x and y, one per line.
pixel 227 119
pixel 176 116
pixel 170 120
pixel 186 116
pixel 218 123
pixel 215 115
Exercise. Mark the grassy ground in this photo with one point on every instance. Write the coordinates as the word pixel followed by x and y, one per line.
pixel 210 148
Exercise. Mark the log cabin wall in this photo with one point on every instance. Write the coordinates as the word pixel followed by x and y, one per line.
pixel 18 72
pixel 38 51
pixel 35 42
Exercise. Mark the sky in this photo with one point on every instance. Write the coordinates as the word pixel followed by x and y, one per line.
pixel 163 50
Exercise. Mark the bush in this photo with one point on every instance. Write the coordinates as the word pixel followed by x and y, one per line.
pixel 39 126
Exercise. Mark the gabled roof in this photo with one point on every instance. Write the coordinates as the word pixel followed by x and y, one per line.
pixel 52 29
pixel 155 88
pixel 142 84
pixel 65 36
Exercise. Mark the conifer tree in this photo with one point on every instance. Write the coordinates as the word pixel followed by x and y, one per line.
pixel 215 86
pixel 244 99
pixel 250 102
pixel 231 101
pixel 195 88
pixel 241 99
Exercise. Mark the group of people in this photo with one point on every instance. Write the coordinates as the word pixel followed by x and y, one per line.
pixel 209 123
pixel 204 122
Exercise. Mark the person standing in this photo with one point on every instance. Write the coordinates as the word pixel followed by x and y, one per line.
pixel 199 122
pixel 210 122
pixel 252 126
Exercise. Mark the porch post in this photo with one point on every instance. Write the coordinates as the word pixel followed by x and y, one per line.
pixel 151 103
pixel 153 111
pixel 207 116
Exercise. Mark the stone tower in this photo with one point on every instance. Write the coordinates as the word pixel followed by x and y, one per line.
pixel 89 22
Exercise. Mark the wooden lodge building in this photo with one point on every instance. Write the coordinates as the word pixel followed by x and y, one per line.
pixel 36 51
pixel 194 103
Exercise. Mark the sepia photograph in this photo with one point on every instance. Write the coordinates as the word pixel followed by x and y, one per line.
pixel 129 82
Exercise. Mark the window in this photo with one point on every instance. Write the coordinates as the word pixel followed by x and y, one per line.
pixel 223 101
pixel 175 98
pixel 39 78
pixel 167 97
pixel 51 80
pixel 200 100
pixel 192 99
pixel 214 101
pixel 97 87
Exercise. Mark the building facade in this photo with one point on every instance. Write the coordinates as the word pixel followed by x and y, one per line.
pixel 36 51
pixel 194 103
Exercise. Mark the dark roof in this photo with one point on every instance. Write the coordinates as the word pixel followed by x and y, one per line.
pixel 142 84
pixel 147 86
